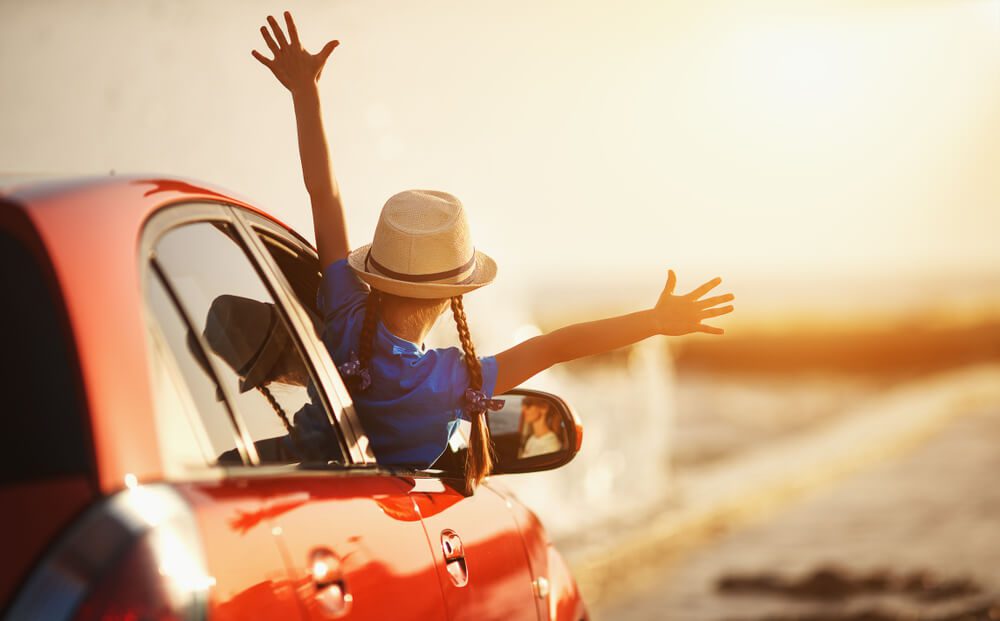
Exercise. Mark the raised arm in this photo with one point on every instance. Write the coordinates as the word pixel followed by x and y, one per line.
pixel 299 71
pixel 673 315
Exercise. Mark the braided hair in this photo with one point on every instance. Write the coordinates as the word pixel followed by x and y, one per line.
pixel 293 432
pixel 368 326
pixel 264 390
pixel 479 457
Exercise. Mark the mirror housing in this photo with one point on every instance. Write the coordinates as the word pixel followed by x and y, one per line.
pixel 534 431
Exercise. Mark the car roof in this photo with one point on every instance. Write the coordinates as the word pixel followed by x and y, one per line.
pixel 88 230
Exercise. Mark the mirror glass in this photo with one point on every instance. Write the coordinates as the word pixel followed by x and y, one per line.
pixel 527 427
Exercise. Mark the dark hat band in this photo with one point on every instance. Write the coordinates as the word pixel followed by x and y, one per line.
pixel 423 278
pixel 246 368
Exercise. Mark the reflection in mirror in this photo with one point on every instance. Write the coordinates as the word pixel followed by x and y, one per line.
pixel 528 426
pixel 533 431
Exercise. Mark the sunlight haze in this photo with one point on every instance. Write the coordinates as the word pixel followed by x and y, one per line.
pixel 766 140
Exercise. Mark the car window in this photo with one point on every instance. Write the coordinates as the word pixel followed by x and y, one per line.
pixel 248 344
pixel 197 376
pixel 300 268
pixel 298 272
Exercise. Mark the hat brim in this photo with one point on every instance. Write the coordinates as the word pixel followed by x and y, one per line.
pixel 272 349
pixel 483 274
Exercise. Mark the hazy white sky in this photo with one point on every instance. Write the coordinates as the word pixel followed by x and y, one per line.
pixel 774 138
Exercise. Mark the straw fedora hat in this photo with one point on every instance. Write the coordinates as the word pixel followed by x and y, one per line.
pixel 423 249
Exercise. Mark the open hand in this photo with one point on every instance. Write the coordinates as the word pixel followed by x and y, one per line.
pixel 684 314
pixel 294 67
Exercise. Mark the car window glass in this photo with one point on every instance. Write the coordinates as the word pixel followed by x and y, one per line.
pixel 197 377
pixel 249 344
pixel 301 270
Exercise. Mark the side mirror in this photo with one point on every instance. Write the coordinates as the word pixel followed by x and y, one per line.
pixel 534 431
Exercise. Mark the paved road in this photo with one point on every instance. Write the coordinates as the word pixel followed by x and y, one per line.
pixel 915 538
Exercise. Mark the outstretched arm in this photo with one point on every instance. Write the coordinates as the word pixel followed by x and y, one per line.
pixel 299 71
pixel 673 315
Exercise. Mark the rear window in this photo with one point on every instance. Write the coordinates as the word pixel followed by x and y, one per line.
pixel 43 420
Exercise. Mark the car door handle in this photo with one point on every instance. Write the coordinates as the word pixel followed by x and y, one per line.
pixel 327 572
pixel 454 557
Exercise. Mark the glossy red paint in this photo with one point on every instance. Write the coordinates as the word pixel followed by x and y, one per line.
pixel 258 531
pixel 499 583
pixel 370 527
pixel 90 229
pixel 563 602
pixel 243 553
pixel 86 233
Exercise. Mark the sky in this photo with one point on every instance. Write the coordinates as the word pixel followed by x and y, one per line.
pixel 798 143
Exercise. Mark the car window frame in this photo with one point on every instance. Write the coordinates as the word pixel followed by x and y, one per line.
pixel 161 222
pixel 176 215
pixel 326 372
pixel 163 365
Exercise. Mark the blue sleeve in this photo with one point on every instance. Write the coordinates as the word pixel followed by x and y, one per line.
pixel 341 300
pixel 449 377
pixel 340 290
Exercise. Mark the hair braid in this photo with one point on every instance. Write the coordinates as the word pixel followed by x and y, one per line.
pixel 479 458
pixel 292 431
pixel 367 338
pixel 264 390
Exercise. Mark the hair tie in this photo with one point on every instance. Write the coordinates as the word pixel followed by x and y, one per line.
pixel 352 368
pixel 477 403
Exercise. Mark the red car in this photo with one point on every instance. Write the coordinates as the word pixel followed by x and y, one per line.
pixel 143 478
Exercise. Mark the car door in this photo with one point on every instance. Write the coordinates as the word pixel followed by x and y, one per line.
pixel 478 554
pixel 352 540
pixel 248 573
pixel 481 560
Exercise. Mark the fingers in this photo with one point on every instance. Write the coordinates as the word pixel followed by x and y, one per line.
pixel 705 288
pixel 671 282
pixel 264 60
pixel 715 312
pixel 328 49
pixel 707 329
pixel 293 32
pixel 719 299
pixel 278 33
pixel 269 40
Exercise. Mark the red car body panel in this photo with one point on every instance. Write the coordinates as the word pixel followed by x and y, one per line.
pixel 372 525
pixel 242 556
pixel 564 600
pixel 257 532
pixel 499 582
pixel 90 233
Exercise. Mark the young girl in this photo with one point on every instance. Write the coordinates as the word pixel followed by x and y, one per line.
pixel 419 265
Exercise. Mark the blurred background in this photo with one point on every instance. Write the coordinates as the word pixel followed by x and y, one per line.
pixel 836 162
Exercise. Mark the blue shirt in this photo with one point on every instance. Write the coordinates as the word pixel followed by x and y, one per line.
pixel 417 396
